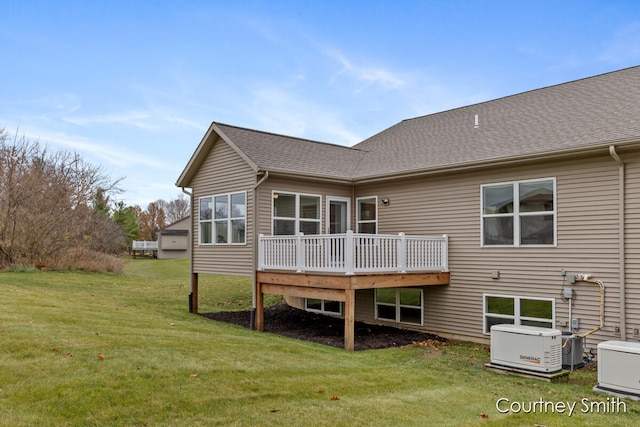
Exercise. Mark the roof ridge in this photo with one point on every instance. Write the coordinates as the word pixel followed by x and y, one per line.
pixel 514 95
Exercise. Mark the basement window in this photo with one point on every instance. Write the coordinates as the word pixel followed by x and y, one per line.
pixel 517 310
pixel 401 305
pixel 323 306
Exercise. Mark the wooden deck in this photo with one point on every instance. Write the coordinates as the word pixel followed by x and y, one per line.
pixel 336 287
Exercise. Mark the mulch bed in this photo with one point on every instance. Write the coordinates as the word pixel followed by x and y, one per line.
pixel 285 320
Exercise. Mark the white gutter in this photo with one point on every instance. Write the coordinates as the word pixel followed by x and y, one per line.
pixel 621 242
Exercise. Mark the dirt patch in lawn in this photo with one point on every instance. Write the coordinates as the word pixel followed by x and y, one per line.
pixel 285 320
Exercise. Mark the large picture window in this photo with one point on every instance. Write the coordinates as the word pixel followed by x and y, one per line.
pixel 223 219
pixel 367 215
pixel 520 213
pixel 516 310
pixel 296 213
pixel 402 305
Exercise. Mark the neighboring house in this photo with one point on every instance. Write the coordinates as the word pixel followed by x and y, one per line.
pixel 507 199
pixel 174 241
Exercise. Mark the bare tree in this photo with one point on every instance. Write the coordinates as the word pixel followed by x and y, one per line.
pixel 46 209
pixel 175 209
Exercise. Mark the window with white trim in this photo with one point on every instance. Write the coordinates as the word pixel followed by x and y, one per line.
pixel 223 219
pixel 518 310
pixel 402 305
pixel 295 213
pixel 367 215
pixel 323 306
pixel 519 213
pixel 205 220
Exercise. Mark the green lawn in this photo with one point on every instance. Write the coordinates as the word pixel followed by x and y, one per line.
pixel 162 366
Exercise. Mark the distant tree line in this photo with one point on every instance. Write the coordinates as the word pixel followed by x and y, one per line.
pixel 56 210
pixel 139 224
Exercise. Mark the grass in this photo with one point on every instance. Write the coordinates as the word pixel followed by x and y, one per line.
pixel 89 349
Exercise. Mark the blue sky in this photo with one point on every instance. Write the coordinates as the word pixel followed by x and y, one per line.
pixel 134 85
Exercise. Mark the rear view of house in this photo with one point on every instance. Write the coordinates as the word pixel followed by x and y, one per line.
pixel 520 210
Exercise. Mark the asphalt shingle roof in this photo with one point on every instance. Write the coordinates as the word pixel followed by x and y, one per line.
pixel 284 153
pixel 576 115
pixel 572 115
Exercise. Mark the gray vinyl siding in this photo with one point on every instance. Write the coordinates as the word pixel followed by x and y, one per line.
pixel 587 242
pixel 265 196
pixel 223 171
pixel 632 239
pixel 587 237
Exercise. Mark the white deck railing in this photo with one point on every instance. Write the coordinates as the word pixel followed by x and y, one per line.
pixel 352 253
pixel 144 245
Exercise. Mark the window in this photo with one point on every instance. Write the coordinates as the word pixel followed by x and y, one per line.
pixel 515 310
pixel 323 306
pixel 205 220
pixel 367 215
pixel 296 213
pixel 223 219
pixel 402 305
pixel 519 213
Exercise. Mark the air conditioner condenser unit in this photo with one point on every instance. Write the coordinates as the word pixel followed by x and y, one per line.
pixel 619 367
pixel 526 347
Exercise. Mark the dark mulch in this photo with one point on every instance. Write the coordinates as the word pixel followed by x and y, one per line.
pixel 285 320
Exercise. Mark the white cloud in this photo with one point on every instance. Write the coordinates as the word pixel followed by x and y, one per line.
pixel 152 119
pixel 624 47
pixel 57 103
pixel 139 119
pixel 117 156
pixel 367 76
pixel 284 112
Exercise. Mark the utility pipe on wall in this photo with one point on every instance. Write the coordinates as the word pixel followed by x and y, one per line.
pixel 600 283
pixel 621 242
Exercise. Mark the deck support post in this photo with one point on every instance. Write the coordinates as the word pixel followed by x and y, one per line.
pixel 259 316
pixel 349 319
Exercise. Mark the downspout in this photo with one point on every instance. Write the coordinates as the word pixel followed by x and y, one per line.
pixel 621 242
pixel 254 287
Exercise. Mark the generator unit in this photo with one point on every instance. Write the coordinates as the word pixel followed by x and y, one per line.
pixel 619 367
pixel 526 347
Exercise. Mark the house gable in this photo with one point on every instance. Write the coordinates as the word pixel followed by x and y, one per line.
pixel 223 171
pixel 213 135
